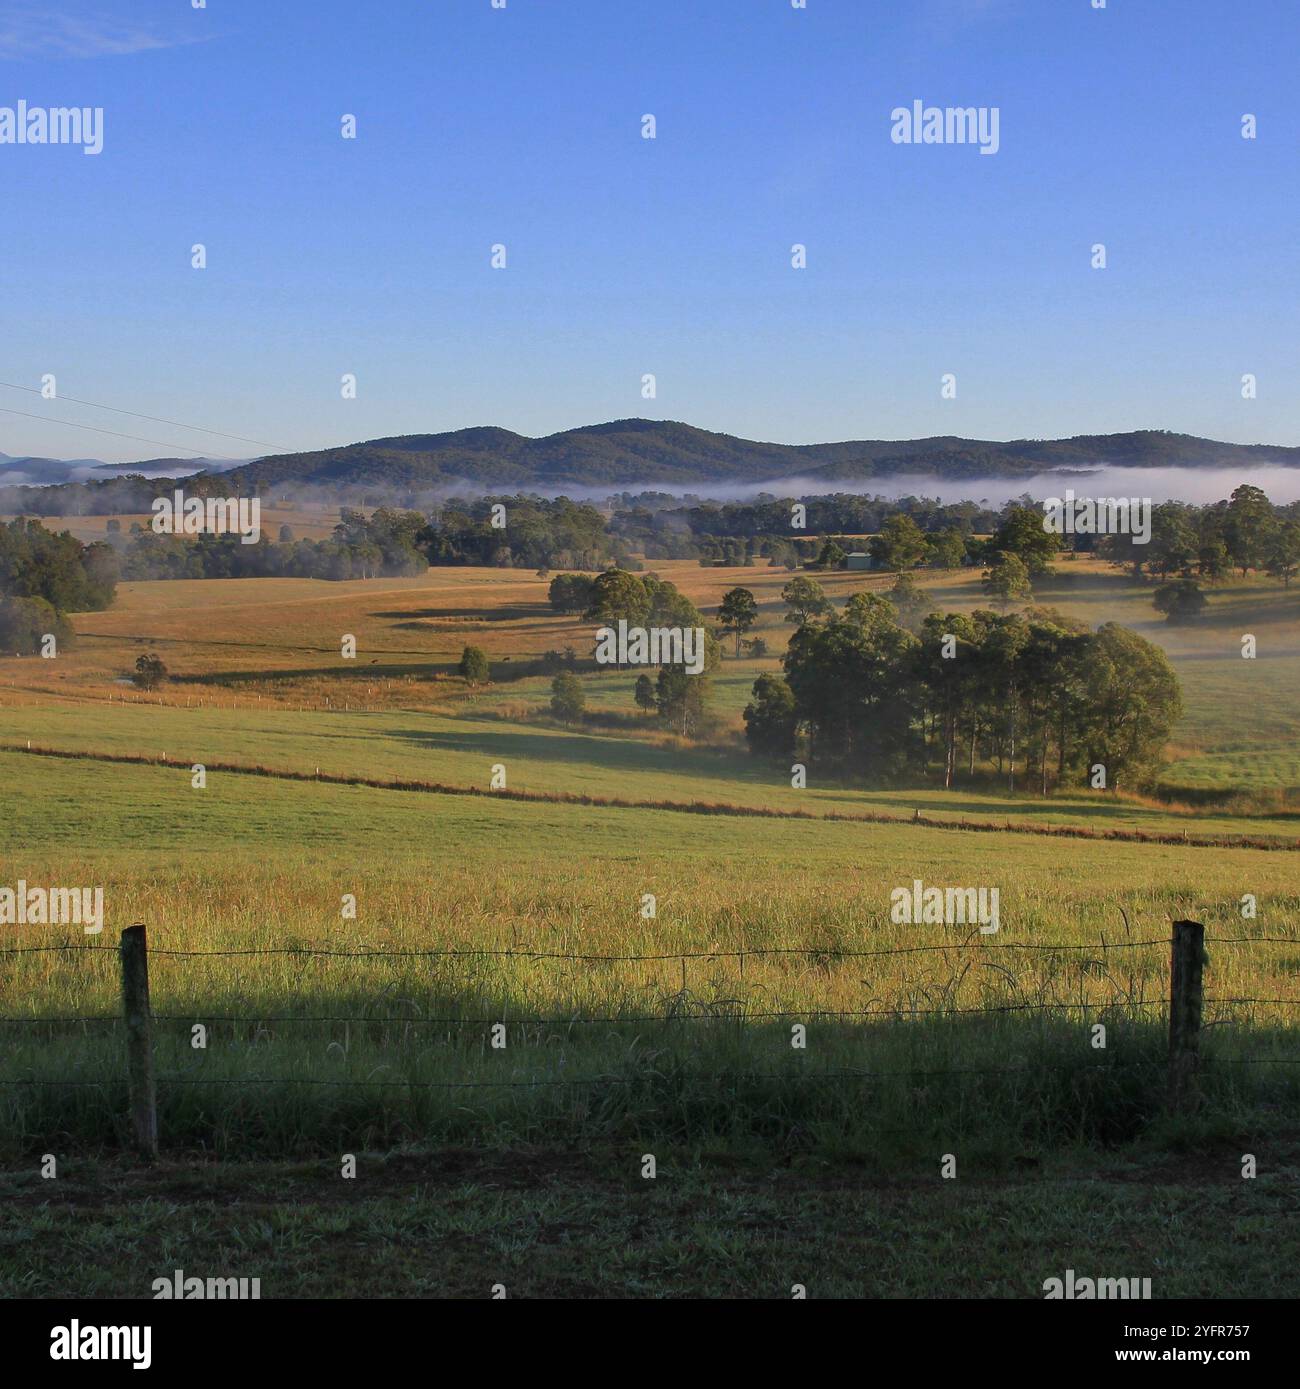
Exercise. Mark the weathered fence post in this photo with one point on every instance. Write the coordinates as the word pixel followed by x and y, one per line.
pixel 139 1040
pixel 1186 997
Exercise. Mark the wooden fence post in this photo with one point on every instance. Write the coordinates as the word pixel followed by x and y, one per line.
pixel 1186 999
pixel 139 1041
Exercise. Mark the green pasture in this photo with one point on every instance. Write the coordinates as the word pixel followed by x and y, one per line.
pixel 602 1049
pixel 462 749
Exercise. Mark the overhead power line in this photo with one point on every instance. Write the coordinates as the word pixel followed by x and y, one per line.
pixel 153 419
pixel 94 429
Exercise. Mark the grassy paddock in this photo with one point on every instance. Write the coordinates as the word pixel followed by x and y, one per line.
pixel 1067 827
pixel 461 750
pixel 697 1052
pixel 477 1164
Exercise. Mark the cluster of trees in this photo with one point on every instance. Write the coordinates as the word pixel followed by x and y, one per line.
pixel 644 600
pixel 1035 693
pixel 1008 579
pixel 1243 534
pixel 571 593
pixel 679 698
pixel 806 599
pixel 1189 544
pixel 1017 550
pixel 40 563
pixel 537 534
pixel 43 576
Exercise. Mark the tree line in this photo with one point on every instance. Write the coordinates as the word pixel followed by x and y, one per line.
pixel 1244 533
pixel 389 542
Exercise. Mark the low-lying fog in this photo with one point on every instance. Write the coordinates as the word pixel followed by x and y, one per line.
pixel 1198 485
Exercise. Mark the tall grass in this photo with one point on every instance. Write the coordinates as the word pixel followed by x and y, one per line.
pixel 954 1037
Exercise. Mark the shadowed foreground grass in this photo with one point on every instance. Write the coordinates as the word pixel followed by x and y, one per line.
pixel 586 1224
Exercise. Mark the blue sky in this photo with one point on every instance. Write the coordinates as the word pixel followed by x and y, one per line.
pixel 629 256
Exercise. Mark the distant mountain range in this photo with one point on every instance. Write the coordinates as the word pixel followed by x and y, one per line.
pixel 630 453
pixel 48 471
pixel 45 470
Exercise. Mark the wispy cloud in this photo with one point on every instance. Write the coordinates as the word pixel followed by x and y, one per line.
pixel 28 31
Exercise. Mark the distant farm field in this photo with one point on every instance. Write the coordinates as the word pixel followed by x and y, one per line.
pixel 254 643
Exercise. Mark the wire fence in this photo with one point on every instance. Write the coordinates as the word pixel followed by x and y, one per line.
pixel 712 1012
pixel 833 951
pixel 570 1020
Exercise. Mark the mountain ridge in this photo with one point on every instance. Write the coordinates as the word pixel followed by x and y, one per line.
pixel 639 452
pixel 622 453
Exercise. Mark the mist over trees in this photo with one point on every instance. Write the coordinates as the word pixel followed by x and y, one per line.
pixel 1245 533
pixel 745 533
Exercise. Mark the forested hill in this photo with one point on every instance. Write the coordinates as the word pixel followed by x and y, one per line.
pixel 622 454
pixel 629 452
